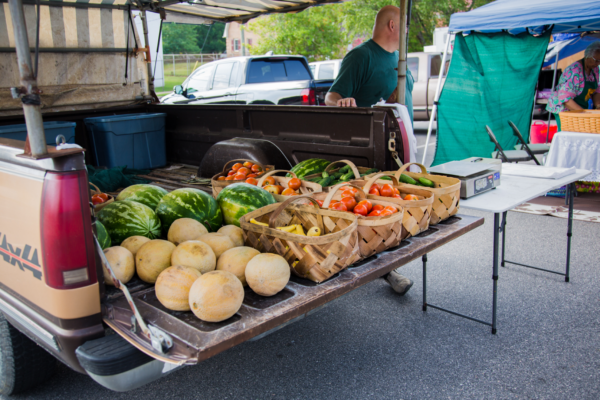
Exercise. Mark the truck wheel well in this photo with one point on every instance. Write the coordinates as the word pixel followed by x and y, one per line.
pixel 263 102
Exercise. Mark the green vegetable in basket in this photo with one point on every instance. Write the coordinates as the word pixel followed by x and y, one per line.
pixel 407 179
pixel 426 182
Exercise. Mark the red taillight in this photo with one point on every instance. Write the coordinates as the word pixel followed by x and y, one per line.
pixel 67 240
pixel 309 97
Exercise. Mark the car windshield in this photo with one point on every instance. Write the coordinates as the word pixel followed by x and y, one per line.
pixel 262 71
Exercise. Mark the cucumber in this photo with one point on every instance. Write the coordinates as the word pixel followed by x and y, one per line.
pixel 426 182
pixel 347 176
pixel 345 169
pixel 337 175
pixel 386 178
pixel 326 181
pixel 370 171
pixel 324 174
pixel 315 180
pixel 407 179
pixel 335 182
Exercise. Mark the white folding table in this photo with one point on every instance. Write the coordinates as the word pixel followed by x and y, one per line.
pixel 512 192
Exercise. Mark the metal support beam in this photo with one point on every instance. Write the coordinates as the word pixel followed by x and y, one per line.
pixel 401 88
pixel 148 55
pixel 28 92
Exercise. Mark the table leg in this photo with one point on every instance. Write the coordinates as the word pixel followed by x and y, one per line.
pixel 495 271
pixel 424 258
pixel 572 189
pixel 504 215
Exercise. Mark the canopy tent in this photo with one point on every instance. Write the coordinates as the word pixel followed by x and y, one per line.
pixel 511 17
pixel 566 45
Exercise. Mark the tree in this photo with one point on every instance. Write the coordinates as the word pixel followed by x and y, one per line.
pixel 315 33
pixel 214 42
pixel 179 39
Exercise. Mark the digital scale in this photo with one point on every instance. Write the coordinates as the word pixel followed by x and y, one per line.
pixel 476 174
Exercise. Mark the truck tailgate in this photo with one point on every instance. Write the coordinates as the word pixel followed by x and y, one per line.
pixel 195 340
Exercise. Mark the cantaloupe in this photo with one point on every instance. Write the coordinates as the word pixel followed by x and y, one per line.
pixel 235 233
pixel 173 287
pixel 133 243
pixel 121 262
pixel 235 260
pixel 267 274
pixel 184 229
pixel 216 296
pixel 219 242
pixel 153 258
pixel 195 254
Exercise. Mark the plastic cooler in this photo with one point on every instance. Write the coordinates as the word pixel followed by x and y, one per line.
pixel 51 130
pixel 539 129
pixel 132 140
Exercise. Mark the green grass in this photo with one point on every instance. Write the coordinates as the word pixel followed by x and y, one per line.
pixel 170 81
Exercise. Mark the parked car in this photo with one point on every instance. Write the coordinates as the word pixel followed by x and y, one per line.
pixel 272 80
pixel 325 69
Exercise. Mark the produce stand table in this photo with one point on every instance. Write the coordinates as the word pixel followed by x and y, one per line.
pixel 195 340
pixel 514 191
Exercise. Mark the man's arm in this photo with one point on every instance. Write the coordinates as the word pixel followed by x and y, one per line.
pixel 335 99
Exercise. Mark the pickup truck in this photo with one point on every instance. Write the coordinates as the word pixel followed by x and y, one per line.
pixel 425 69
pixel 274 80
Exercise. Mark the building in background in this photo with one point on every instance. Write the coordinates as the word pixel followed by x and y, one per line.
pixel 233 37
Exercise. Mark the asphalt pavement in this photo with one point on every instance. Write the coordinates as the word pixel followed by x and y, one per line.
pixel 373 343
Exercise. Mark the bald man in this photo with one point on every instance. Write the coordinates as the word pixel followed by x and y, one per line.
pixel 368 73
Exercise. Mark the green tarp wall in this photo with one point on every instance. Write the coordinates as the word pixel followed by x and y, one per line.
pixel 491 80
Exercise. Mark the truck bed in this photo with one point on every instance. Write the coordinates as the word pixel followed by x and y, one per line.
pixel 195 340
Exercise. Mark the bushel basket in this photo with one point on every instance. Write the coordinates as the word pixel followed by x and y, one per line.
pixel 375 234
pixel 316 258
pixel 218 185
pixel 305 188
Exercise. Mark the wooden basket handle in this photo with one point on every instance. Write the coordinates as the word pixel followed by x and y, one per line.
pixel 347 162
pixel 405 167
pixel 96 188
pixel 226 166
pixel 333 191
pixel 262 178
pixel 293 199
pixel 374 178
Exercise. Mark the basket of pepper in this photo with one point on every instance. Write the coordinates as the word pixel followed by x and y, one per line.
pixel 237 171
pixel 342 173
pixel 281 187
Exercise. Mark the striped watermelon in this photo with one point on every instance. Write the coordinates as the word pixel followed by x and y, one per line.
pixel 148 195
pixel 123 219
pixel 241 198
pixel 309 167
pixel 189 203
pixel 102 235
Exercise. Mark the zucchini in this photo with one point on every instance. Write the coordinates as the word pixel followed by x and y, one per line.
pixel 426 182
pixel 407 179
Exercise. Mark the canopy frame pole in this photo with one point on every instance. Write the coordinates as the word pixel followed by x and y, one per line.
pixel 147 50
pixel 553 87
pixel 401 88
pixel 438 89
pixel 28 93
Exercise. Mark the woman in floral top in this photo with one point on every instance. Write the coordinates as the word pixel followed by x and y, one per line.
pixel 578 84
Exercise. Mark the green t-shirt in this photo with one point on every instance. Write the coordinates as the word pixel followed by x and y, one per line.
pixel 367 74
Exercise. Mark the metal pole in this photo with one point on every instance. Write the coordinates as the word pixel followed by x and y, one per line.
pixel 437 97
pixel 572 189
pixel 424 258
pixel 243 40
pixel 504 214
pixel 553 87
pixel 147 42
pixel 173 64
pixel 495 270
pixel 401 88
pixel 28 92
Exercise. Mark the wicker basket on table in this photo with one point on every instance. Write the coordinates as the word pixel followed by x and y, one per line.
pixel 306 187
pixel 587 121
pixel 332 169
pixel 446 193
pixel 375 234
pixel 417 213
pixel 218 185
pixel 96 190
pixel 316 258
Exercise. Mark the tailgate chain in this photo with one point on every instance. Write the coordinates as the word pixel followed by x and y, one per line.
pixel 161 341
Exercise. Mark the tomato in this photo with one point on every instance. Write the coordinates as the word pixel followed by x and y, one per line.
pixel 374 213
pixel 386 190
pixel 396 191
pixel 274 189
pixel 239 177
pixel 269 180
pixel 294 184
pixel 347 193
pixel 350 188
pixel 361 209
pixel 232 172
pixel 280 188
pixel 252 181
pixel 385 213
pixel 236 166
pixel 96 199
pixel 243 170
pixel 377 207
pixel 411 197
pixel 256 168
pixel 221 178
pixel 320 202
pixel 248 164
pixel 374 191
pixel 397 196
pixel 367 204
pixel 391 209
pixel 376 186
pixel 349 202
pixel 338 207
pixel 251 176
pixel 230 178
pixel 289 192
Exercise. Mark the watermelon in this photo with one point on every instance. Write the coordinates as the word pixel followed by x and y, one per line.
pixel 189 203
pixel 123 219
pixel 148 195
pixel 241 198
pixel 309 167
pixel 102 235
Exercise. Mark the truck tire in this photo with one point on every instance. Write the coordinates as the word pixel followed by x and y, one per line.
pixel 23 364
